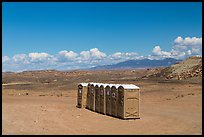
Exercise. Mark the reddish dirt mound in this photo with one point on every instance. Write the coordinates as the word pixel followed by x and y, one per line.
pixel 190 67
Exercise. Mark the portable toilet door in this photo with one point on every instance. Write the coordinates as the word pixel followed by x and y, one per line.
pixel 102 99
pixel 108 99
pixel 121 106
pixel 114 100
pixel 97 98
pixel 82 95
pixel 128 101
pixel 88 96
pixel 92 97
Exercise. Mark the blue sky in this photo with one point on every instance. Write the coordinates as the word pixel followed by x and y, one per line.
pixel 84 34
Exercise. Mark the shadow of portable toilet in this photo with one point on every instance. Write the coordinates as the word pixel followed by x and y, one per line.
pixel 102 99
pixel 82 95
pixel 108 99
pixel 97 98
pixel 114 99
pixel 128 101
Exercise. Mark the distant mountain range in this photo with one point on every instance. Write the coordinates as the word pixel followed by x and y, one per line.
pixel 139 64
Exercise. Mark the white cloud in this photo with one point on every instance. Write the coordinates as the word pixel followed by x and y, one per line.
pixel 96 53
pixel 35 57
pixel 124 55
pixel 5 59
pixel 158 52
pixel 20 58
pixel 93 53
pixel 188 41
pixel 192 41
pixel 179 39
pixel 182 48
pixel 85 55
pixel 189 52
pixel 193 44
pixel 196 49
pixel 117 55
pixel 68 54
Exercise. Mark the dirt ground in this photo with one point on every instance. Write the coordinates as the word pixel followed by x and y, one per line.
pixel 165 108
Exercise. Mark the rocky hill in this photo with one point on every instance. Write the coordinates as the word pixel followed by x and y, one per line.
pixel 190 67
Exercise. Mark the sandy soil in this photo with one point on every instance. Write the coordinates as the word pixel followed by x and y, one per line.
pixel 166 108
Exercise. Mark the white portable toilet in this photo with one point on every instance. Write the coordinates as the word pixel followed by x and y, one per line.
pixel 82 95
pixel 128 101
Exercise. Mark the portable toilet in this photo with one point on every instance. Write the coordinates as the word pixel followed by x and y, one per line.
pixel 108 99
pixel 97 98
pixel 102 99
pixel 128 101
pixel 114 99
pixel 92 96
pixel 88 96
pixel 82 95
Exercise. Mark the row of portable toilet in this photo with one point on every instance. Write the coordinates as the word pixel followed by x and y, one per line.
pixel 117 100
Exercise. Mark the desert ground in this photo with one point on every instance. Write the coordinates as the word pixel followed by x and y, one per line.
pixel 44 102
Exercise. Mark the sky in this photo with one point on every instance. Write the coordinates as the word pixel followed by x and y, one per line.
pixel 78 35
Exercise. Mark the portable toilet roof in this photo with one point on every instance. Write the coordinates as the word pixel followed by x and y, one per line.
pixel 104 84
pixel 98 84
pixel 117 85
pixel 84 84
pixel 129 86
pixel 110 85
pixel 93 83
